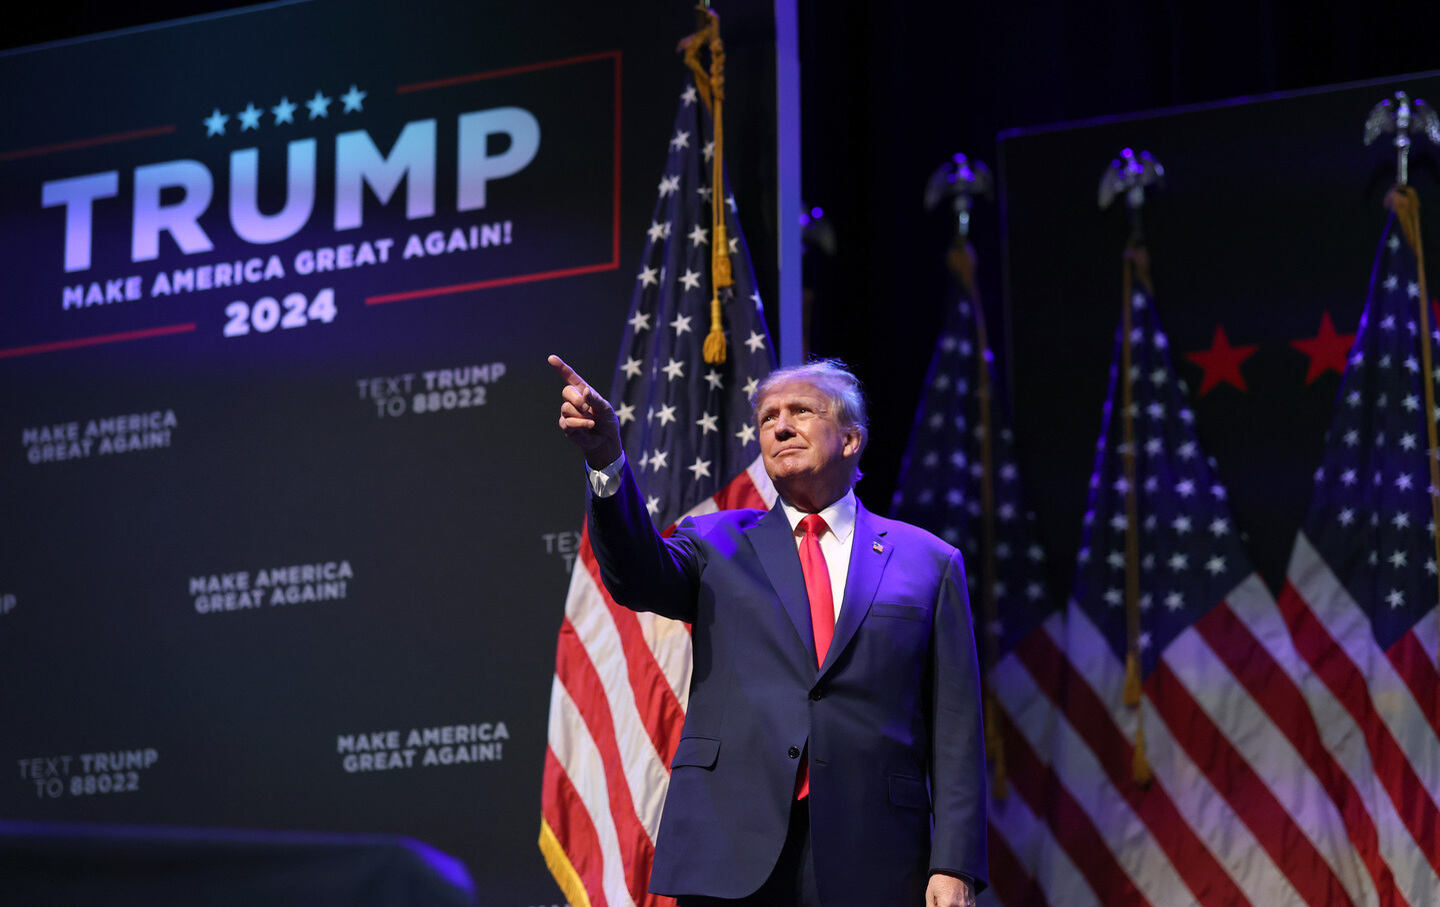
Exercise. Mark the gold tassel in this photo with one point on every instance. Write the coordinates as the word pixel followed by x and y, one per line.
pixel 714 348
pixel 712 93
pixel 995 752
pixel 1132 680
pixel 1139 763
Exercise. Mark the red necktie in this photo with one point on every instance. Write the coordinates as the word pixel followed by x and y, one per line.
pixel 817 585
pixel 822 612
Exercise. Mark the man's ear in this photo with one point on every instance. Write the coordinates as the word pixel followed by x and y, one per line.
pixel 852 444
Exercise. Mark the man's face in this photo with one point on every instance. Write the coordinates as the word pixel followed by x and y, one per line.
pixel 809 457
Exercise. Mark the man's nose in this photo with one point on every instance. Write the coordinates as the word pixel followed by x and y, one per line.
pixel 783 428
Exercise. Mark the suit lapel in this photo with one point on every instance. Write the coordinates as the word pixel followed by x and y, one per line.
pixel 868 557
pixel 774 543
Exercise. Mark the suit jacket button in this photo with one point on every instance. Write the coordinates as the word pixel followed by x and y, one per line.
pixel 816 695
pixel 794 752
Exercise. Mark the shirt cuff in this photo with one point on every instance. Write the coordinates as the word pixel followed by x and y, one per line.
pixel 605 482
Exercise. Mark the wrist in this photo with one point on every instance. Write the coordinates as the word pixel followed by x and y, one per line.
pixel 599 457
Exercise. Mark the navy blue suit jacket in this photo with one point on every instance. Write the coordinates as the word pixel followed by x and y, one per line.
pixel 892 718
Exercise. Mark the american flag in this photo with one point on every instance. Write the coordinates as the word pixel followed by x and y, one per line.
pixel 1241 807
pixel 1360 592
pixel 622 679
pixel 959 460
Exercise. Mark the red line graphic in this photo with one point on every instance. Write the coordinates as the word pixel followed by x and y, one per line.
pixel 510 71
pixel 56 345
pixel 71 145
pixel 486 284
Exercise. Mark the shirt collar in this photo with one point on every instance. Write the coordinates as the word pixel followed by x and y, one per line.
pixel 839 516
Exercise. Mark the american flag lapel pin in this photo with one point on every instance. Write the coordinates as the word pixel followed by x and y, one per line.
pixel 878 548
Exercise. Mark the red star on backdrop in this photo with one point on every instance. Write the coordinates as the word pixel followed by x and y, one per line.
pixel 1221 362
pixel 1327 350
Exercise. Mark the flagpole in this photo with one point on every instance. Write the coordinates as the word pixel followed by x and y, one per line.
pixel 1130 174
pixel 961 179
pixel 1405 118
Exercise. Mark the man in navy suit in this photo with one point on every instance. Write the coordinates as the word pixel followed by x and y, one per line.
pixel 832 752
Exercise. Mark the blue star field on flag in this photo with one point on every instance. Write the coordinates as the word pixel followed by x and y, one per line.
pixel 1370 517
pixel 686 424
pixel 940 486
pixel 1189 549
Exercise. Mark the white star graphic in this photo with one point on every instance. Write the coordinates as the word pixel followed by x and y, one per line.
pixel 1116 560
pixel 1390 282
pixel 658 459
pixel 691 279
pixel 625 412
pixel 1396 599
pixel 1181 524
pixel 700 467
pixel 352 100
pixel 707 424
pixel 704 193
pixel 1216 565
pixel 319 105
pixel 681 324
pixel 713 379
pixel 681 139
pixel 666 414
pixel 708 150
pixel 688 95
pixel 1185 488
pixel 1397 559
pixel 1113 597
pixel 746 434
pixel 751 386
pixel 648 277
pixel 640 321
pixel 249 117
pixel 756 341
pixel 631 368
pixel 215 123
pixel 1401 520
pixel 284 112
pixel 673 369
pixel 1403 481
pixel 658 230
pixel 652 505
pixel 1179 561
pixel 699 235
pixel 669 184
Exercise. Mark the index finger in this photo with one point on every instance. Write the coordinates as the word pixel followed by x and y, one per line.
pixel 569 374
